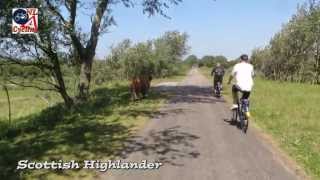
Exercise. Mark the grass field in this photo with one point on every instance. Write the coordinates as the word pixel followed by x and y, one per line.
pixel 46 131
pixel 290 113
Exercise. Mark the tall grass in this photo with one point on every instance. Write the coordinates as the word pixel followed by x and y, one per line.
pixel 291 113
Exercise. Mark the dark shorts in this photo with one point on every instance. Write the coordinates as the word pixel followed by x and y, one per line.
pixel 245 94
pixel 217 79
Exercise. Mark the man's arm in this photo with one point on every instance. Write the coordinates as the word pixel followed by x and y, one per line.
pixel 233 72
pixel 213 70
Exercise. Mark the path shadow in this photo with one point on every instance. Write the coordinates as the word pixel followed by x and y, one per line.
pixel 189 94
pixel 168 146
pixel 230 122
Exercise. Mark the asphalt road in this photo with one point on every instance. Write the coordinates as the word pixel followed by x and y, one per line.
pixel 193 140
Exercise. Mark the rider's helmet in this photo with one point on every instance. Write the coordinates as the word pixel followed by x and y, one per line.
pixel 218 65
pixel 244 57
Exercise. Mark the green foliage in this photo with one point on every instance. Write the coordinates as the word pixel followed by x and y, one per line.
pixel 169 49
pixel 138 60
pixel 27 72
pixel 160 57
pixel 211 61
pixel 191 60
pixel 294 53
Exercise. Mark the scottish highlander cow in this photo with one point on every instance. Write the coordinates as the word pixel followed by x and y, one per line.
pixel 140 86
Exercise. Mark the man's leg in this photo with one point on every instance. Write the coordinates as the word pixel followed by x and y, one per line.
pixel 216 80
pixel 235 96
pixel 214 84
pixel 221 81
pixel 245 97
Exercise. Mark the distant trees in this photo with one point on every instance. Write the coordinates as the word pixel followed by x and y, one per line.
pixel 293 54
pixel 191 60
pixel 211 61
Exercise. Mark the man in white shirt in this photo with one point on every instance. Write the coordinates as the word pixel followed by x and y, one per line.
pixel 243 73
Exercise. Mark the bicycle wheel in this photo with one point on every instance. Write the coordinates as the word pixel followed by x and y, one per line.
pixel 218 90
pixel 241 120
pixel 234 116
pixel 246 124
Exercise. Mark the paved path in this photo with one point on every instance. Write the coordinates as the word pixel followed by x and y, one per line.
pixel 194 141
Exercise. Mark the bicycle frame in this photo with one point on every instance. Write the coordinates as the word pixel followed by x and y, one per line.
pixel 218 89
pixel 239 113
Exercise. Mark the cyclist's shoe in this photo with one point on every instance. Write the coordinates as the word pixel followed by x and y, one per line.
pixel 234 106
pixel 248 115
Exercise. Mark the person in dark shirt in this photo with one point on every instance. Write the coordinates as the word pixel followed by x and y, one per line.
pixel 217 73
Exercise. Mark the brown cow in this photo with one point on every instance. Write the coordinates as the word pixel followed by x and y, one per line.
pixel 140 87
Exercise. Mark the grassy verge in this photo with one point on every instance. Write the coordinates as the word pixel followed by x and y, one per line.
pixel 290 113
pixel 95 130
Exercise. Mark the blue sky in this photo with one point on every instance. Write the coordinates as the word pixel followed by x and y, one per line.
pixel 221 27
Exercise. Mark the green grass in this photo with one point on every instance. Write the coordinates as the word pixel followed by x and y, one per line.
pixel 95 130
pixel 25 102
pixel 291 114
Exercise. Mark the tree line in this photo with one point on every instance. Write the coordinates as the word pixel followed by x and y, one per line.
pixel 210 61
pixel 159 57
pixel 293 54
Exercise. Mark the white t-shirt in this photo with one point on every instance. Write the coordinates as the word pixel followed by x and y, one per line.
pixel 243 74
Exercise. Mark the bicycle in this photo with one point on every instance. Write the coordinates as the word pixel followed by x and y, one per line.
pixel 217 90
pixel 241 114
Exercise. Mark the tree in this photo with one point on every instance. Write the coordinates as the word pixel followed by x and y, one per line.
pixel 40 51
pixel 293 53
pixel 191 60
pixel 158 57
pixel 59 34
pixel 211 61
pixel 138 60
pixel 169 50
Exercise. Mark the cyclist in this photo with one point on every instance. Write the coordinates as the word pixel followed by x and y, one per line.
pixel 218 73
pixel 243 73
